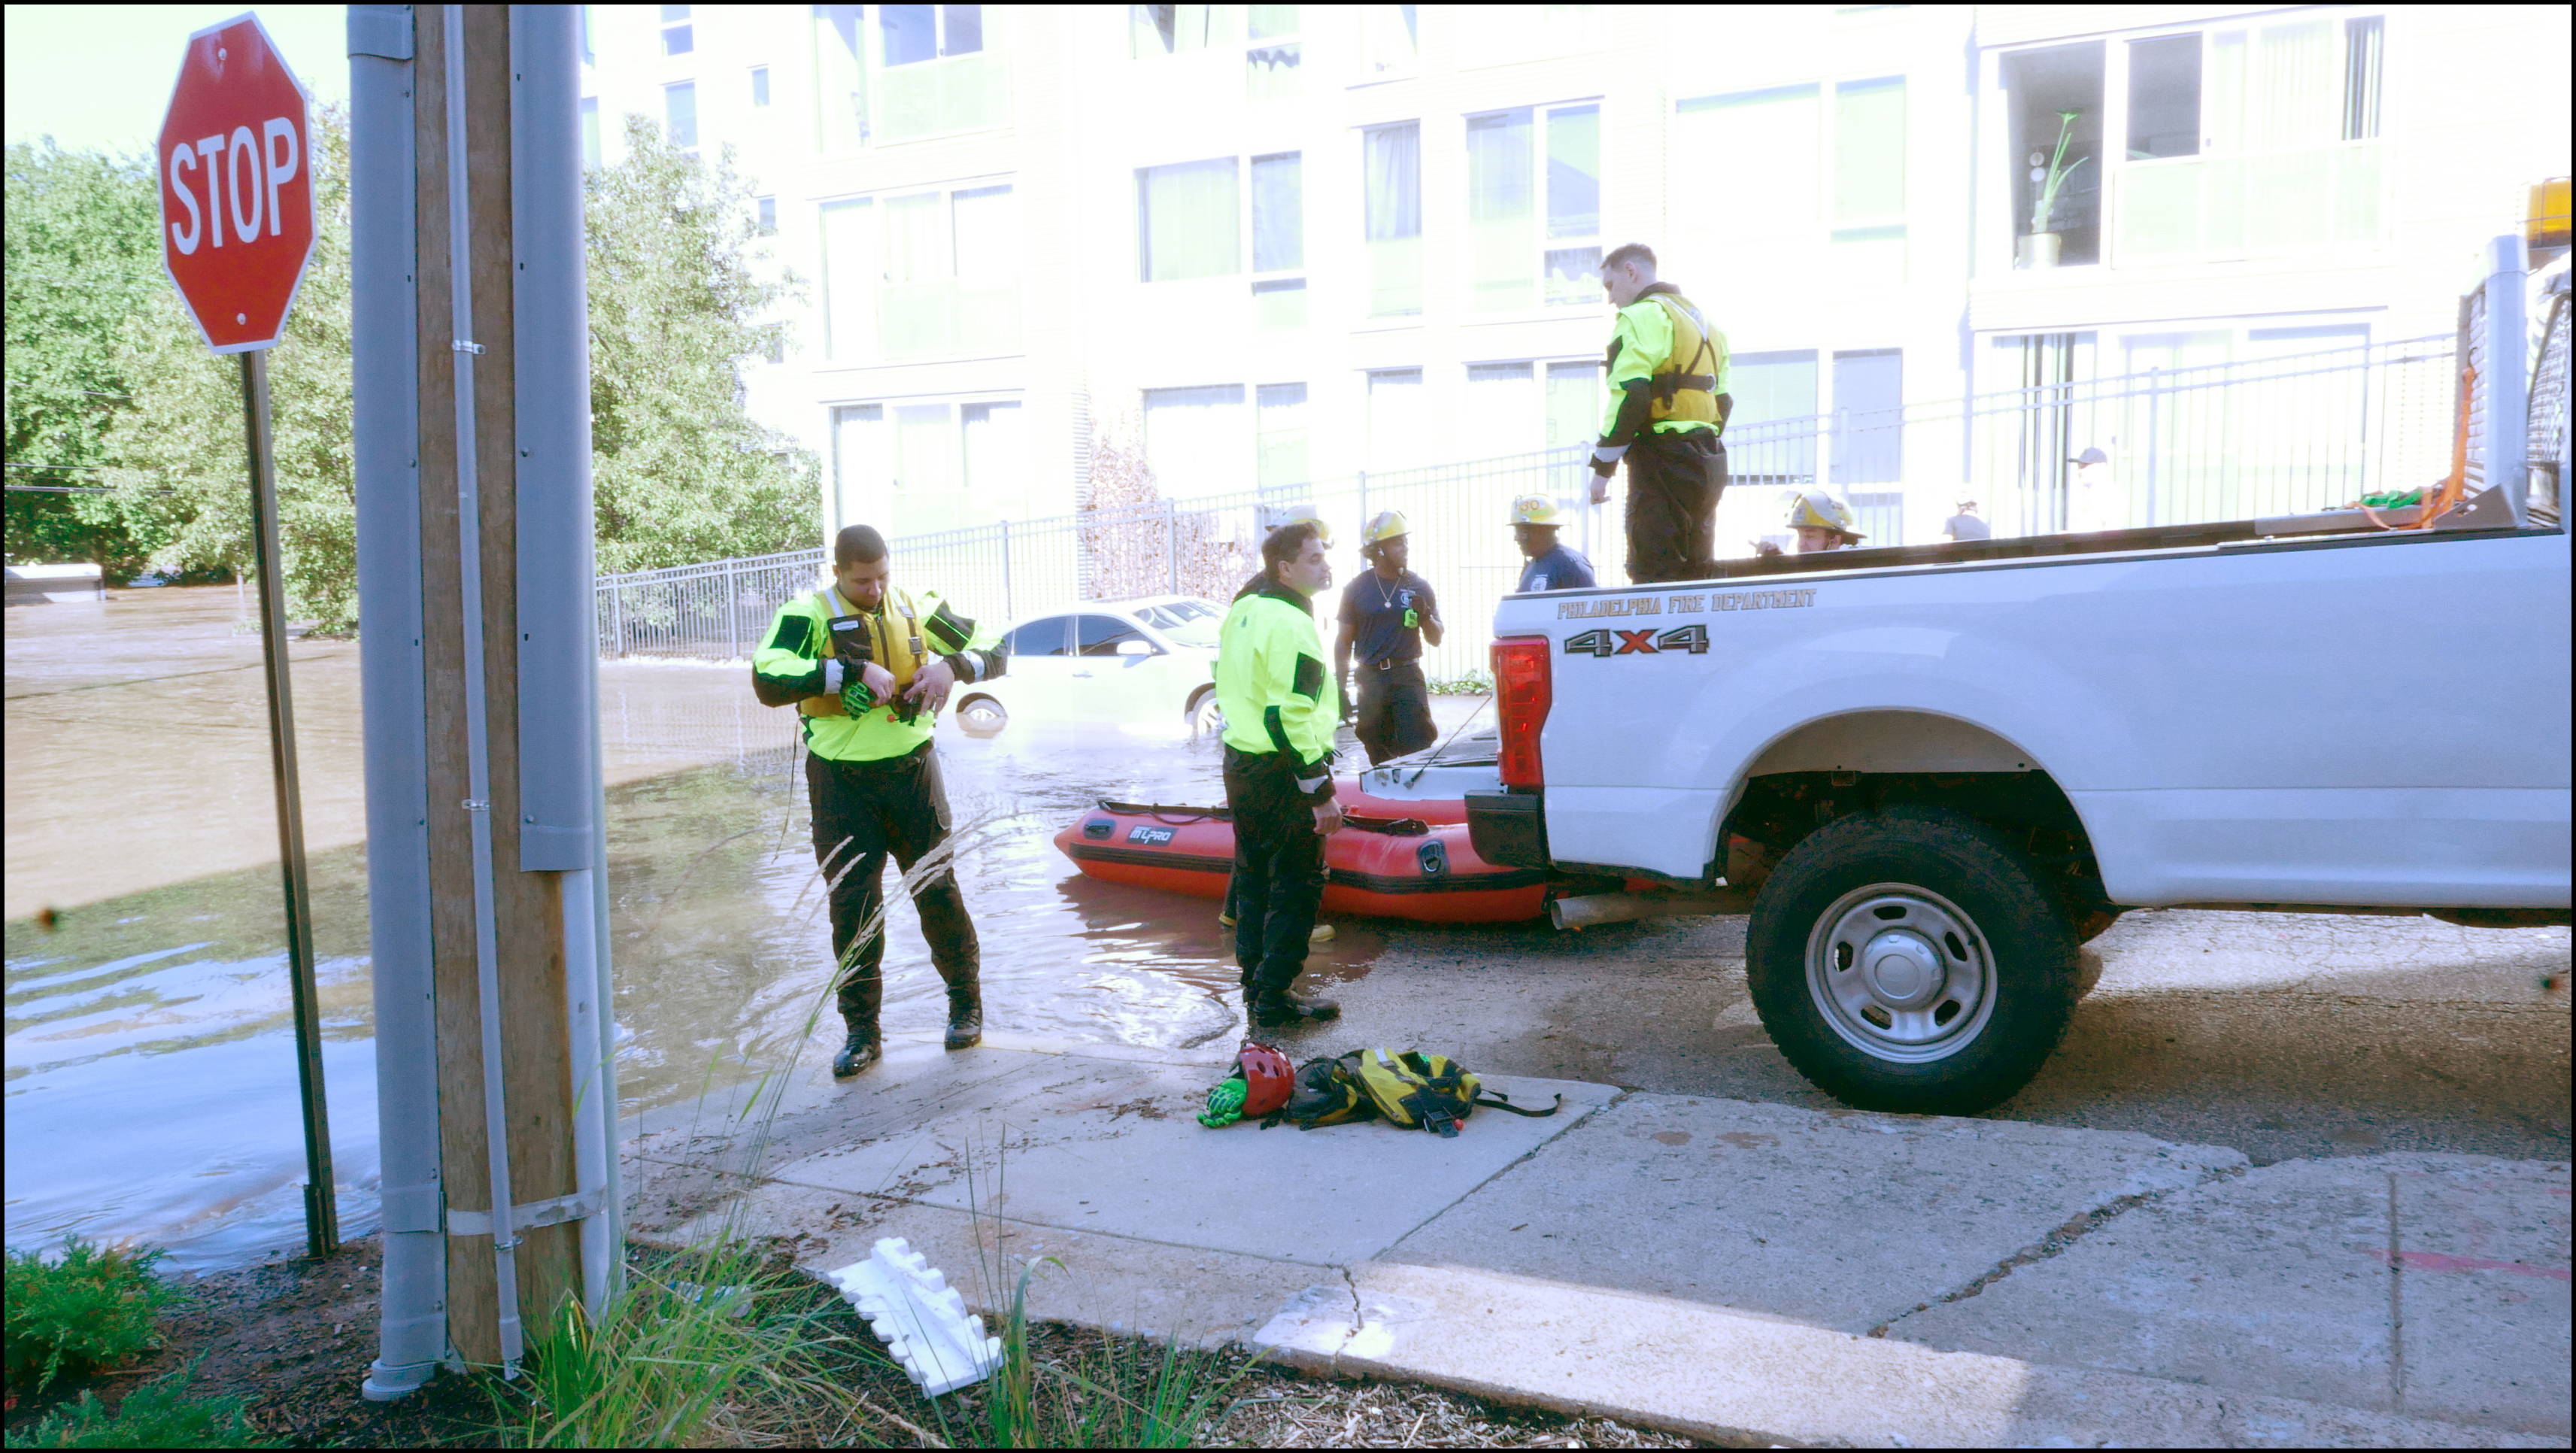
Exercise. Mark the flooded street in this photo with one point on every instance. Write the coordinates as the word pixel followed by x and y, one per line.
pixel 150 1082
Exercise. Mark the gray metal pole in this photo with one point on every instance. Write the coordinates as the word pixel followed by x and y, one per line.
pixel 321 1197
pixel 2155 443
pixel 1172 545
pixel 1007 612
pixel 2505 419
pixel 393 688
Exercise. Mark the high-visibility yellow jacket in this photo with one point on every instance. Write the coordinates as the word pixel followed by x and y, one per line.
pixel 1666 368
pixel 803 660
pixel 1271 684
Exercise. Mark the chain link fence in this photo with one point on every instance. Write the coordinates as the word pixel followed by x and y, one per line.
pixel 2241 440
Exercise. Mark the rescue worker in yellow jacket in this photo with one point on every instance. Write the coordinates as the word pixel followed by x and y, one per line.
pixel 1667 372
pixel 868 665
pixel 1279 719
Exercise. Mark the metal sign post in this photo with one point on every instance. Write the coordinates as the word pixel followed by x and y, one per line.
pixel 236 188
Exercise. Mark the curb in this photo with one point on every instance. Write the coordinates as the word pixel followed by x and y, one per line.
pixel 1736 1378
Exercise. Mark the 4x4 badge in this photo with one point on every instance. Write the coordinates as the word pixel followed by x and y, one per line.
pixel 1693 639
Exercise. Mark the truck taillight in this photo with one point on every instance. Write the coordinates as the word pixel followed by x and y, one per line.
pixel 1522 695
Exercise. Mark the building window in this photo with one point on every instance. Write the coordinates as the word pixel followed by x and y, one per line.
pixel 1272 59
pixel 1390 40
pixel 1502 415
pixel 767 211
pixel 1198 441
pixel 922 274
pixel 1829 163
pixel 1191 218
pixel 1172 29
pixel 759 86
pixel 1575 401
pixel 1186 220
pixel 1398 422
pixel 918 467
pixel 1534 225
pixel 590 131
pixel 1869 421
pixel 2257 138
pixel 1772 389
pixel 920 70
pixel 678 36
pixel 680 114
pixel 2056 140
pixel 1282 438
pixel 1391 158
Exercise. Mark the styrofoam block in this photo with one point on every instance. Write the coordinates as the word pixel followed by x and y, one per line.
pixel 922 1320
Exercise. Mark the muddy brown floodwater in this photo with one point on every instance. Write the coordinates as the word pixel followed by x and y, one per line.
pixel 150 1084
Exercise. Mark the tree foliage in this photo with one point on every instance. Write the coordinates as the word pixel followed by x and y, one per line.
pixel 680 472
pixel 82 258
pixel 106 372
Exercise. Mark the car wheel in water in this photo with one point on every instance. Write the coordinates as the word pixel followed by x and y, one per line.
pixel 981 716
pixel 1911 960
pixel 1205 719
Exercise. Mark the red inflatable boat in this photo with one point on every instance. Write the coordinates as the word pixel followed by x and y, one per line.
pixel 1378 866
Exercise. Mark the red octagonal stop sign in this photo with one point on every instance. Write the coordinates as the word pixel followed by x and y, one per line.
pixel 236 164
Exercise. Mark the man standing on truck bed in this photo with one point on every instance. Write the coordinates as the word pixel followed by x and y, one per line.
pixel 868 667
pixel 1667 372
pixel 1387 614
pixel 1270 683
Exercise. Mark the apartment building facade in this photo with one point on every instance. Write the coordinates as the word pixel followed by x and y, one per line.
pixel 1271 244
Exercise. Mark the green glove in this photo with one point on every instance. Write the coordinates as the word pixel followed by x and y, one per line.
pixel 856 698
pixel 1224 1103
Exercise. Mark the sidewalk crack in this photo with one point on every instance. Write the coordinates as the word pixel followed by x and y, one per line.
pixel 2396 1305
pixel 2055 1243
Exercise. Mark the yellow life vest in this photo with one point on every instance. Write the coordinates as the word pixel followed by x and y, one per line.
pixel 1681 393
pixel 868 638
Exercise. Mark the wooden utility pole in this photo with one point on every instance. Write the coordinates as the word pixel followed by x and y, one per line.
pixel 526 907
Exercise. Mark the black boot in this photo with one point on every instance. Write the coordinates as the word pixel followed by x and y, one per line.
pixel 1271 1008
pixel 965 1017
pixel 863 1050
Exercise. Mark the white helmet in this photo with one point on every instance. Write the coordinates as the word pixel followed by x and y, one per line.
pixel 1813 509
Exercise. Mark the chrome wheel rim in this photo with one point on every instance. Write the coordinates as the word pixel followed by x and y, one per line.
pixel 1901 973
pixel 1205 719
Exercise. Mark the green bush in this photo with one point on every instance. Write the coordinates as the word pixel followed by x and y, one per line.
pixel 95 1308
pixel 159 1414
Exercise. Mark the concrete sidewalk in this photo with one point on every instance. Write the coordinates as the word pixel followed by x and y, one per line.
pixel 1735 1270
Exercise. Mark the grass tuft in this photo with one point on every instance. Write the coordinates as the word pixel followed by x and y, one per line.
pixel 98 1307
pixel 158 1414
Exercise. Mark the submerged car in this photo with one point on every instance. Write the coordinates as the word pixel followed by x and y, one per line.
pixel 1145 661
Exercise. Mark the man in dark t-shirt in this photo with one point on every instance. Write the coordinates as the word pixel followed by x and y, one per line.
pixel 1551 566
pixel 1387 613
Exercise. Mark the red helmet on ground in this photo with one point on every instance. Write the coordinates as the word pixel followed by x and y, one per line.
pixel 1267 1078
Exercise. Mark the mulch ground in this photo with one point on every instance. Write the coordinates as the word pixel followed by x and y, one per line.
pixel 295 1338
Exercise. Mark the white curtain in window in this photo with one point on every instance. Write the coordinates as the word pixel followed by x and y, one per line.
pixel 858 465
pixel 2294 88
pixel 1198 441
pixel 1393 202
pixel 997 472
pixel 1283 434
pixel 1278 212
pixel 985 221
pixel 840 77
pixel 1501 231
pixel 1869 150
pixel 851 274
pixel 1575 403
pixel 1396 423
pixel 1187 220
pixel 917 310
pixel 1768 142
pixel 1502 413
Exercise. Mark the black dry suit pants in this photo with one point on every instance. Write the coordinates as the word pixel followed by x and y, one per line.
pixel 1674 481
pixel 1278 868
pixel 862 812
pixel 1394 711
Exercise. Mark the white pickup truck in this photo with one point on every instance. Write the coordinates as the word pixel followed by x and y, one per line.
pixel 1934 771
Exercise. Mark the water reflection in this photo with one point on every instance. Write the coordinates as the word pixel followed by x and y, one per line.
pixel 150 1082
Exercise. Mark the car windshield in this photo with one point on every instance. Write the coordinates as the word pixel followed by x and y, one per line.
pixel 1187 622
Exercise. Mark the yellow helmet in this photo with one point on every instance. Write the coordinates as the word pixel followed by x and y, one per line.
pixel 1813 509
pixel 1536 509
pixel 1384 525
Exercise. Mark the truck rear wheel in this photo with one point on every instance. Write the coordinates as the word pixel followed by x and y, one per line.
pixel 1911 960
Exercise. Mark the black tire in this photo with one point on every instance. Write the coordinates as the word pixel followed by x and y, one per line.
pixel 2092 923
pixel 1948 1038
pixel 982 717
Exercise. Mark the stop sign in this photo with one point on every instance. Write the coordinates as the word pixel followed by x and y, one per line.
pixel 235 159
